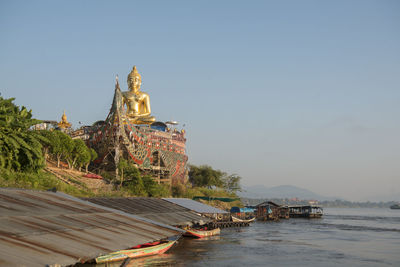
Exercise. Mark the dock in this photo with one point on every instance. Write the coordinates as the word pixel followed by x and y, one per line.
pixel 40 228
pixel 155 209
pixel 229 224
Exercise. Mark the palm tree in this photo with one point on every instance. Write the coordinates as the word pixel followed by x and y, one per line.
pixel 21 147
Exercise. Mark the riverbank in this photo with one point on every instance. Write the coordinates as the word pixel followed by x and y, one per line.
pixel 74 182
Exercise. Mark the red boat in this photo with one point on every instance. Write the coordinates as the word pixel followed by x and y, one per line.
pixel 93 176
pixel 200 233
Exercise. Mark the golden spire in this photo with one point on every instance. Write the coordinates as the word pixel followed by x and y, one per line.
pixel 64 122
pixel 64 117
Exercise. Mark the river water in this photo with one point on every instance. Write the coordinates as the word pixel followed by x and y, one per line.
pixel 347 237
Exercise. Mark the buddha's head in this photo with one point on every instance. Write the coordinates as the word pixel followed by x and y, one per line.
pixel 134 80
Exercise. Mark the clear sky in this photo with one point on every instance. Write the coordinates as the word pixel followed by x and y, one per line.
pixel 304 93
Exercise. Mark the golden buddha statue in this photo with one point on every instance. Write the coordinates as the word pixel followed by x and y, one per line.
pixel 137 102
pixel 63 124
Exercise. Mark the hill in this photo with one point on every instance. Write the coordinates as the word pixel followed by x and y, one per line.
pixel 282 191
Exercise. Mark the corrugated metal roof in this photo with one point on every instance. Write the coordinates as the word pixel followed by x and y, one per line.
pixel 154 209
pixel 39 228
pixel 194 205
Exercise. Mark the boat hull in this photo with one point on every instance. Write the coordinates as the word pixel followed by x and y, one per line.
pixel 135 253
pixel 234 219
pixel 202 233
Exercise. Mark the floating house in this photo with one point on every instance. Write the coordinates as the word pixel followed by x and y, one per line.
pixel 270 211
pixel 306 211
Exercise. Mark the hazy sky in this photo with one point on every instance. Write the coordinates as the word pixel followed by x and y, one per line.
pixel 304 93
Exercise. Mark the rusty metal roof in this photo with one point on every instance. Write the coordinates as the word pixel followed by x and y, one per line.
pixel 39 228
pixel 155 209
pixel 195 206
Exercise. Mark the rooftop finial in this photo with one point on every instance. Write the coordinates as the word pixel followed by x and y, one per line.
pixel 116 82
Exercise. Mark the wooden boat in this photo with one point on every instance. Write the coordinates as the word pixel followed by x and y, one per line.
pixel 202 232
pixel 147 249
pixel 234 219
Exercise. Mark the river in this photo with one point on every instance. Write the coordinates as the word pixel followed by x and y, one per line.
pixel 347 237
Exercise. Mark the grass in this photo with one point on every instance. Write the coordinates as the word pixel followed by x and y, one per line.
pixel 45 181
pixel 39 181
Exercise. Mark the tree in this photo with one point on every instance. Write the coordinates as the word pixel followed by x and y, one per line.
pixel 83 159
pixel 232 183
pixel 123 164
pixel 77 152
pixel 205 176
pixel 154 189
pixel 93 156
pixel 21 148
pixel 61 146
pixel 46 142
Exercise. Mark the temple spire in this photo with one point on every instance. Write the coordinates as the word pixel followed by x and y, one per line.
pixel 63 124
pixel 117 83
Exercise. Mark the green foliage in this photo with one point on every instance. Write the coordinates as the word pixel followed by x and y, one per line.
pixel 137 184
pixel 93 154
pixel 37 180
pixel 60 144
pixel 21 148
pixel 205 176
pixel 63 147
pixel 178 190
pixel 123 164
pixel 154 189
pixel 232 183
pixel 84 158
pixel 80 153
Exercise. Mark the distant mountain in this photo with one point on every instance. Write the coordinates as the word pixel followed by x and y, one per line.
pixel 282 191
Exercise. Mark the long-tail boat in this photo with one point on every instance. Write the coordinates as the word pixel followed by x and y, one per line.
pixel 146 249
pixel 202 232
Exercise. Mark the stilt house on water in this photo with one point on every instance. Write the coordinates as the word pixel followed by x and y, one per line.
pixel 270 211
pixel 306 211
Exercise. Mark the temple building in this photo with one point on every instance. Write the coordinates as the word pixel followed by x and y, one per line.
pixel 130 131
pixel 62 125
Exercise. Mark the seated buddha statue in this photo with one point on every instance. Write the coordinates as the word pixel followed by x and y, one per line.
pixel 137 103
